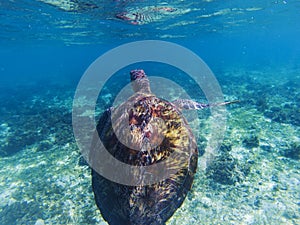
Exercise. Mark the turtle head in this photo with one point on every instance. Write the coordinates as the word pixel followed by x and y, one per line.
pixel 139 81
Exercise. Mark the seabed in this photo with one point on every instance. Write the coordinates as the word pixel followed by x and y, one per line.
pixel 254 178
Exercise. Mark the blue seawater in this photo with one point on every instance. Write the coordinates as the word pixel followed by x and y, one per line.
pixel 251 47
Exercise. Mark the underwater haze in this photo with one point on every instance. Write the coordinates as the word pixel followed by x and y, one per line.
pixel 252 48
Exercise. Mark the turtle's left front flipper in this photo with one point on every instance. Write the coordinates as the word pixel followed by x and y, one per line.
pixel 190 104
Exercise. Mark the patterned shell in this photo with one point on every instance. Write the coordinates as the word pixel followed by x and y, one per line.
pixel 157 129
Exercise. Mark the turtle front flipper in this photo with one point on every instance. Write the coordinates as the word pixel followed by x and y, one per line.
pixel 190 104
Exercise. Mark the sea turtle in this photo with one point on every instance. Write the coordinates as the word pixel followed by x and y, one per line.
pixel 150 143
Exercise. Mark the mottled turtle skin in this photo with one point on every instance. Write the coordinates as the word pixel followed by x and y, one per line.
pixel 145 204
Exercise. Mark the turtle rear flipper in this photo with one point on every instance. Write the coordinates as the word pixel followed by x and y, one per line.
pixel 190 104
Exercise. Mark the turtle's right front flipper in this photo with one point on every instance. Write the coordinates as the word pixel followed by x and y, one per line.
pixel 190 104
